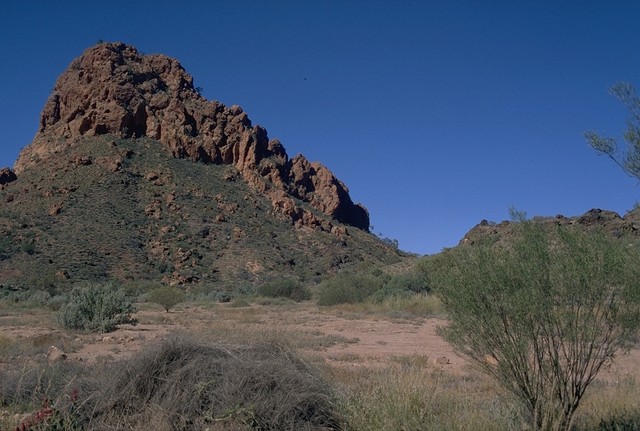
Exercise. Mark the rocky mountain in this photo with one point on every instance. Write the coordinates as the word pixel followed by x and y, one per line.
pixel 133 174
pixel 113 89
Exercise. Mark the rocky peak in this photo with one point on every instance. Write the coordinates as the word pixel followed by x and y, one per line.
pixel 113 89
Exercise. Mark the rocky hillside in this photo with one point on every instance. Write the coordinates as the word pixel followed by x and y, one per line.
pixel 133 174
pixel 627 226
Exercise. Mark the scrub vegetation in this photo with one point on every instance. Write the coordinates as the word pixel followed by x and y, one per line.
pixel 542 315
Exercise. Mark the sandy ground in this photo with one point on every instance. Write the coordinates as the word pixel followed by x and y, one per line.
pixel 343 338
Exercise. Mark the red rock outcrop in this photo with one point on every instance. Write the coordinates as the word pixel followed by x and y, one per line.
pixel 113 89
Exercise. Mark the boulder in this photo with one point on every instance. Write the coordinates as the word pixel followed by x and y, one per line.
pixel 55 354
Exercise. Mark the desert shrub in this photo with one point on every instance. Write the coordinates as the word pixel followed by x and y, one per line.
pixel 96 308
pixel 243 290
pixel 184 384
pixel 284 288
pixel 39 298
pixel 347 289
pixel 413 281
pixel 166 296
pixel 221 296
pixel 542 315
pixel 389 292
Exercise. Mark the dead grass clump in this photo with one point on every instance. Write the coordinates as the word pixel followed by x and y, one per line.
pixel 418 398
pixel 40 394
pixel 183 384
pixel 611 406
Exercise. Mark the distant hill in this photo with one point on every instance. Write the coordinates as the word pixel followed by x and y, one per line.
pixel 627 226
pixel 134 175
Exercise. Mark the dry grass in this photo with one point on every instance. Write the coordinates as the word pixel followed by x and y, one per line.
pixel 193 384
pixel 407 393
pixel 610 400
pixel 394 307
pixel 34 347
pixel 414 361
pixel 183 383
pixel 12 314
pixel 346 357
pixel 413 395
pixel 422 398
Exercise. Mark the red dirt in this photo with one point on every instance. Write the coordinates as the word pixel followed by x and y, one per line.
pixel 362 340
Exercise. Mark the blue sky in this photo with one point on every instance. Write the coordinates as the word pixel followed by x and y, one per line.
pixel 436 114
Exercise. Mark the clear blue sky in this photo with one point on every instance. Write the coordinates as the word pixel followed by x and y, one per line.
pixel 436 114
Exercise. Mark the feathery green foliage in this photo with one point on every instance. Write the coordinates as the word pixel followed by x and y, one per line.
pixel 542 315
pixel 629 159
pixel 166 296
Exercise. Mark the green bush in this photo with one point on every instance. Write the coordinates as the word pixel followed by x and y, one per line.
pixel 414 281
pixel 543 314
pixel 284 288
pixel 400 286
pixel 166 296
pixel 348 289
pixel 96 308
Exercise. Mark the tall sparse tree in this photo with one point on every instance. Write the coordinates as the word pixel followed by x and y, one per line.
pixel 541 315
pixel 629 157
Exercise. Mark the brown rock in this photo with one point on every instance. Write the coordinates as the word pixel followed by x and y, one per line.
pixel 79 160
pixel 54 354
pixel 314 183
pixel 152 176
pixel 55 210
pixel 113 89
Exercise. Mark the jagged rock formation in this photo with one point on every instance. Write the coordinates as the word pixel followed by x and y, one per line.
pixel 609 221
pixel 134 176
pixel 114 90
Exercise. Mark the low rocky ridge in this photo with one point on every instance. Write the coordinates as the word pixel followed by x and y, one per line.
pixel 134 176
pixel 113 89
pixel 609 221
